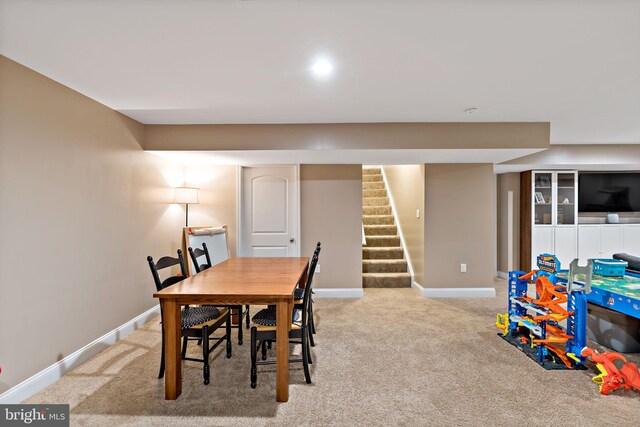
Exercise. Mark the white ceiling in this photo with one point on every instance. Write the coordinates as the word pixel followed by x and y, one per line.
pixel 575 63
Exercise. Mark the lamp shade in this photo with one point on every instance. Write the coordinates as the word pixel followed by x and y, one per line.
pixel 187 195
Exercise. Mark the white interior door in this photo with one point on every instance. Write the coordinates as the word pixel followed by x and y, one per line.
pixel 269 211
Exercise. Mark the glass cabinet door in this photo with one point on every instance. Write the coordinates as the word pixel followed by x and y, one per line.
pixel 542 198
pixel 566 199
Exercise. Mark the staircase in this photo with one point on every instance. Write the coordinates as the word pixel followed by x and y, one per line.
pixel 383 262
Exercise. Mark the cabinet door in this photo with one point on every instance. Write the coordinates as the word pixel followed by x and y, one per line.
pixel 566 198
pixel 565 245
pixel 631 239
pixel 611 241
pixel 542 198
pixel 588 242
pixel 541 242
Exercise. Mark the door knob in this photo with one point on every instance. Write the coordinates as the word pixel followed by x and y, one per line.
pixel 291 240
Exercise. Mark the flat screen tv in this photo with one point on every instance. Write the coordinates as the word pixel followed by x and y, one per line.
pixel 609 192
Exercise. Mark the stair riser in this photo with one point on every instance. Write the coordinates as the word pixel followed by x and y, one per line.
pixel 392 253
pixel 376 230
pixel 383 241
pixel 376 210
pixel 374 193
pixel 377 220
pixel 371 178
pixel 385 267
pixel 373 186
pixel 375 201
pixel 385 282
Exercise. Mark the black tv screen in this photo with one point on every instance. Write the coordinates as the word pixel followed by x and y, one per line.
pixel 609 192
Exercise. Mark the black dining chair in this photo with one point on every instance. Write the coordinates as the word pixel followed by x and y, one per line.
pixel 263 330
pixel 198 253
pixel 298 297
pixel 198 323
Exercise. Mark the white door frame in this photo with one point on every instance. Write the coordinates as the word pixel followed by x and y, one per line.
pixel 239 207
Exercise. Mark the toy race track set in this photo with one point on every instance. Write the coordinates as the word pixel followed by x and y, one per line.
pixel 551 327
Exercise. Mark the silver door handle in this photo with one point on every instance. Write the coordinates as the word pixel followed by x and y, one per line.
pixel 291 240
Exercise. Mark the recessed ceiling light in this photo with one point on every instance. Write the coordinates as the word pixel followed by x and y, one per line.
pixel 322 68
pixel 471 110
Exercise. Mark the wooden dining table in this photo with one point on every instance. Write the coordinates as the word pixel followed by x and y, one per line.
pixel 235 281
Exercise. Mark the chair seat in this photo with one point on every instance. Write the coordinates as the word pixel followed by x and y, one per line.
pixel 198 317
pixel 267 317
pixel 263 328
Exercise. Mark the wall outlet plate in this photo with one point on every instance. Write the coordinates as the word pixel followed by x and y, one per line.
pixel 417 213
pixel 317 268
pixel 463 268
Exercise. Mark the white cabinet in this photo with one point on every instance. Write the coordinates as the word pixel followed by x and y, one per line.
pixel 554 214
pixel 565 244
pixel 588 242
pixel 542 240
pixel 610 240
pixel 631 239
pixel 604 240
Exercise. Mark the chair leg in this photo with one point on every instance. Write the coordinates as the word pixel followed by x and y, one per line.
pixel 311 341
pixel 205 353
pixel 248 320
pixel 161 373
pixel 254 357
pixel 239 308
pixel 313 323
pixel 264 350
pixel 184 346
pixel 228 330
pixel 269 344
pixel 305 356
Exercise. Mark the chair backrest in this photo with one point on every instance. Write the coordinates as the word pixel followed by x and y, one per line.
pixel 306 302
pixel 167 262
pixel 197 253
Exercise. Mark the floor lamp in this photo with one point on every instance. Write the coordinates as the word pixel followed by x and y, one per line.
pixel 188 196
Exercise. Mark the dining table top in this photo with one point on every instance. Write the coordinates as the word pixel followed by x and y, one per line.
pixel 243 276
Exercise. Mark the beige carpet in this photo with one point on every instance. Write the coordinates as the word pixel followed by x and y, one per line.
pixel 389 358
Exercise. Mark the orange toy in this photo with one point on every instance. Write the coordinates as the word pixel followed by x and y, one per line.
pixel 610 377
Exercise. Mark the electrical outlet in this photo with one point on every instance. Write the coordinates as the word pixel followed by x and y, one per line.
pixel 417 213
pixel 463 268
pixel 317 268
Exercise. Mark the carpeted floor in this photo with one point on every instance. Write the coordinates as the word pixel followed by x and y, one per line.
pixel 389 358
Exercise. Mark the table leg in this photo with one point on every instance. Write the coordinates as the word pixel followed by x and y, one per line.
pixel 283 324
pixel 172 357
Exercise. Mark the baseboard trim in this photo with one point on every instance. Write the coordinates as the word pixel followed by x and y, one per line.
pixel 459 292
pixel 339 292
pixel 47 376
pixel 417 286
pixel 503 275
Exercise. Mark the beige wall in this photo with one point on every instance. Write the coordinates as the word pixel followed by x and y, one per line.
pixel 82 207
pixel 460 225
pixel 310 136
pixel 508 182
pixel 217 196
pixel 406 185
pixel 331 212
